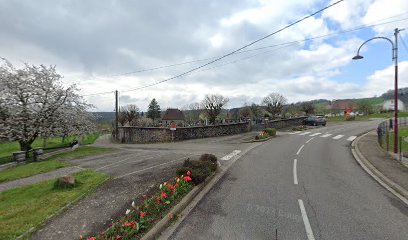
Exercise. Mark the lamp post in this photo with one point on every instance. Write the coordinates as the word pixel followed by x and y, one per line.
pixel 395 59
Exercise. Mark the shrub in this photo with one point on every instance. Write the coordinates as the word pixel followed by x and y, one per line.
pixel 349 117
pixel 271 131
pixel 199 169
pixel 208 157
pixel 256 137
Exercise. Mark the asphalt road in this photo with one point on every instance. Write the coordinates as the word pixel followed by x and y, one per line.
pixel 326 196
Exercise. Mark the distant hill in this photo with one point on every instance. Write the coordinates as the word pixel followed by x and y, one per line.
pixel 402 95
pixel 103 117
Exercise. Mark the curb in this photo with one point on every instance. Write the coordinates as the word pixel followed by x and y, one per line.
pixel 164 231
pixel 387 183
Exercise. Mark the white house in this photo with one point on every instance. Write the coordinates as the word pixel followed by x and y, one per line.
pixel 388 105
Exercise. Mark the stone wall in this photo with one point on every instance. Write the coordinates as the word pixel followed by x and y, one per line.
pixel 152 135
pixel 283 123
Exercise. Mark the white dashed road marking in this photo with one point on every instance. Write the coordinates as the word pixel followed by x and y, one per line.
pixel 295 180
pixel 308 141
pixel 338 137
pixel 304 133
pixel 351 138
pixel 300 149
pixel 326 135
pixel 231 155
pixel 315 134
pixel 308 228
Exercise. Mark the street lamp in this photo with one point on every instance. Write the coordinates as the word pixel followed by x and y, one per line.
pixel 395 59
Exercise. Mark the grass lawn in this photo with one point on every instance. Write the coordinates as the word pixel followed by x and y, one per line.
pixel 402 133
pixel 26 207
pixel 52 163
pixel 7 148
pixel 365 117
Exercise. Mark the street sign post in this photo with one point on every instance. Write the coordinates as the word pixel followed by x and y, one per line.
pixel 173 127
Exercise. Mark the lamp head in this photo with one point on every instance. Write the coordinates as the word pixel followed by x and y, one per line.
pixel 358 57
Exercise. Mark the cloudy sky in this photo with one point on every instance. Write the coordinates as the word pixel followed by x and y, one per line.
pixel 107 45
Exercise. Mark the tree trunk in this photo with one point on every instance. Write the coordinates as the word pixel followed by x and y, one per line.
pixel 26 146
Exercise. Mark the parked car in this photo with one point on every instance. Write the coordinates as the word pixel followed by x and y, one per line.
pixel 315 121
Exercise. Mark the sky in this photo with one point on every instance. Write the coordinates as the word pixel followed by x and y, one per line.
pixel 107 45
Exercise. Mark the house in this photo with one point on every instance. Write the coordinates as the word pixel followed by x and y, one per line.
pixel 173 115
pixel 339 106
pixel 388 105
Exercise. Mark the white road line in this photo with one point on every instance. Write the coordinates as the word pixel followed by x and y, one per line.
pixel 338 137
pixel 310 139
pixel 300 149
pixel 231 155
pixel 351 138
pixel 326 135
pixel 295 132
pixel 308 228
pixel 315 134
pixel 295 180
pixel 305 133
pixel 158 165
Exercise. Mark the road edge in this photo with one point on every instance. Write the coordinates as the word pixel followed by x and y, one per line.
pixel 387 183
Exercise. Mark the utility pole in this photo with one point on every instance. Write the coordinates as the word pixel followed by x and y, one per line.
pixel 116 114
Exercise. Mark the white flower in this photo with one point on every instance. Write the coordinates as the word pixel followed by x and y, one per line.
pixel 133 204
pixel 127 212
pixel 161 185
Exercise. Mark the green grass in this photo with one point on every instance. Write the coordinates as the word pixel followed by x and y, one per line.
pixel 402 133
pixel 52 163
pixel 8 148
pixel 26 207
pixel 366 117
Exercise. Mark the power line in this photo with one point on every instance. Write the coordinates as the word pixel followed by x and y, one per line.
pixel 239 49
pixel 260 48
pixel 285 44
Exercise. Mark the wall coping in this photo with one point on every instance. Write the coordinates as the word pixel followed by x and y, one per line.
pixel 207 126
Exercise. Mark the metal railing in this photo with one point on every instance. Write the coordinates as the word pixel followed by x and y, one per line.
pixel 385 136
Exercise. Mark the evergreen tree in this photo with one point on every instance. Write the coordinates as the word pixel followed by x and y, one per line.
pixel 154 111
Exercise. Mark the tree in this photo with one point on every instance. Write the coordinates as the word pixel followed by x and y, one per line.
pixel 34 102
pixel 128 114
pixel 256 111
pixel 274 103
pixel 365 107
pixel 245 112
pixel 307 107
pixel 154 111
pixel 192 112
pixel 213 104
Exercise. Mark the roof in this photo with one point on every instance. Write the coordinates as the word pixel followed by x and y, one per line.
pixel 341 104
pixel 173 114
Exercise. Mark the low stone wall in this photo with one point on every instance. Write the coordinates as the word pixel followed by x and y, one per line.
pixel 283 123
pixel 152 135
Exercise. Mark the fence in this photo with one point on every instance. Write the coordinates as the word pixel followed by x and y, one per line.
pixel 385 135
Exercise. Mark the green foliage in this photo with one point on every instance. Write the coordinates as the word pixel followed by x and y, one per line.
pixel 26 207
pixel 208 157
pixel 154 111
pixel 200 169
pixel 271 131
pixel 52 163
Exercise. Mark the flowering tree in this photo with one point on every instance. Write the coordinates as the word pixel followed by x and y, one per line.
pixel 33 103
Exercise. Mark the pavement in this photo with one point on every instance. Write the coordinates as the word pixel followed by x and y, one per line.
pixel 299 186
pixel 382 164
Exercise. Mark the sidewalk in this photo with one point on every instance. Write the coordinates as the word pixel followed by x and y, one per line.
pixel 370 155
pixel 39 178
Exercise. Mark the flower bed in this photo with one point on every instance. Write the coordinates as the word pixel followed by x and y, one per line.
pixel 139 219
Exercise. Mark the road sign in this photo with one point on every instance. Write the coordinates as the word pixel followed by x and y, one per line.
pixel 173 126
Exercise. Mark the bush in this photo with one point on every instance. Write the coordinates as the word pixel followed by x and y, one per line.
pixel 208 157
pixel 256 137
pixel 349 117
pixel 200 169
pixel 271 131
